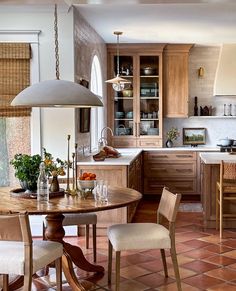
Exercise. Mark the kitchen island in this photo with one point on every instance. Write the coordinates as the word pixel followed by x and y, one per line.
pixel 210 172
pixel 124 171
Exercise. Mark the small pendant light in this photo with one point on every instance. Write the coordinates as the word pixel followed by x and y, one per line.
pixel 118 83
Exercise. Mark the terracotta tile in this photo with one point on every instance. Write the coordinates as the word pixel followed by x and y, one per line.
pixel 184 273
pixel 153 266
pixel 129 285
pixel 225 287
pixel 199 266
pixel 132 272
pixel 230 243
pixel 154 280
pixel 137 259
pixel 173 287
pixel 196 243
pixel 218 248
pixel 198 253
pixel 182 259
pixel 232 266
pixel 202 281
pixel 231 254
pixel 223 273
pixel 220 260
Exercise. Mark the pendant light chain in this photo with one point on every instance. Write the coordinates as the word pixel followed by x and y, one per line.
pixel 118 33
pixel 56 43
pixel 118 57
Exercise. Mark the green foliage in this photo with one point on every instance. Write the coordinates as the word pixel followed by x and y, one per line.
pixel 173 133
pixel 27 168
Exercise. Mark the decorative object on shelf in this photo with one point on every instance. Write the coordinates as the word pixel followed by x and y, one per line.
pixel 194 136
pixel 206 111
pixel 201 72
pixel 118 83
pixel 195 106
pixel 56 93
pixel 169 143
pixel 171 135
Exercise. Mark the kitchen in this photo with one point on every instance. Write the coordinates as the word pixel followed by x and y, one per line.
pixel 205 56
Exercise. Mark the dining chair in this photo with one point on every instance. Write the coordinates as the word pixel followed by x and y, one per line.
pixel 225 192
pixel 134 236
pixel 21 255
pixel 78 219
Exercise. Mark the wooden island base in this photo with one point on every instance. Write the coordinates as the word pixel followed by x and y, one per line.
pixel 209 175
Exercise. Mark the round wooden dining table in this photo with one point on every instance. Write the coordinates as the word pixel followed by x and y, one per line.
pixel 54 210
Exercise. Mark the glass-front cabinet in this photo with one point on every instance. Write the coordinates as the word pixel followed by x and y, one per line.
pixel 135 113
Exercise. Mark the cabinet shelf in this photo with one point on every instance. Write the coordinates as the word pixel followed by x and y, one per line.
pixel 148 119
pixel 123 98
pixel 148 97
pixel 149 76
pixel 213 117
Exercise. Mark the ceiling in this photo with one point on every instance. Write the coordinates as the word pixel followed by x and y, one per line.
pixel 150 21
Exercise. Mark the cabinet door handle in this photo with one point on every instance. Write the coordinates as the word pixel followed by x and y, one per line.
pixel 183 170
pixel 184 156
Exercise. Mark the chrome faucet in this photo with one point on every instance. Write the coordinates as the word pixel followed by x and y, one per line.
pixel 103 141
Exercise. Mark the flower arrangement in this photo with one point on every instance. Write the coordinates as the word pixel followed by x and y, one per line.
pixel 173 133
pixel 54 168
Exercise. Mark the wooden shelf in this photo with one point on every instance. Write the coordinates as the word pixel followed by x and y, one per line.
pixel 212 117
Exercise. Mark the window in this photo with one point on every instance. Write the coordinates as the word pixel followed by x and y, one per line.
pixel 97 114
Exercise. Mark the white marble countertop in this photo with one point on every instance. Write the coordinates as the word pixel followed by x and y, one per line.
pixel 215 158
pixel 126 158
pixel 129 154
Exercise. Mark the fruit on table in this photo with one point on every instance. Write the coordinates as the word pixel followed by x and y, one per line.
pixel 88 176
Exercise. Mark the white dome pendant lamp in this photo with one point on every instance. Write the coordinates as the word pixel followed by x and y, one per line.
pixel 118 83
pixel 56 93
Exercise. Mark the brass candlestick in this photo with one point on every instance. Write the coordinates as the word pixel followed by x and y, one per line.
pixel 76 160
pixel 68 165
pixel 73 191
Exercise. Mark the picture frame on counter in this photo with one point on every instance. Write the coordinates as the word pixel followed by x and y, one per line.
pixel 194 136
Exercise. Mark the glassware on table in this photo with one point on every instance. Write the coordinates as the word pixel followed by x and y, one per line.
pixel 100 191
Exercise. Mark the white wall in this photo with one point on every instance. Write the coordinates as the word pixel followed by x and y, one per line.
pixel 53 134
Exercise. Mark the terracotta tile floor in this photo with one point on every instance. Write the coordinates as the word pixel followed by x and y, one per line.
pixel 205 261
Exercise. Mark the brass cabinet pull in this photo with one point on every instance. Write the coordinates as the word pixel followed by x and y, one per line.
pixel 184 156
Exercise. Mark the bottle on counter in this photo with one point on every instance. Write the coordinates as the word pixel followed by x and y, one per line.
pixel 42 185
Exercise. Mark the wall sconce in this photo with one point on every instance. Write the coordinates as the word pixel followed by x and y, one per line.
pixel 201 72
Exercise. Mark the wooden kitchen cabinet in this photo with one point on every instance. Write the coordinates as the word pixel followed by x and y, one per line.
pixel 120 176
pixel 175 80
pixel 135 114
pixel 177 170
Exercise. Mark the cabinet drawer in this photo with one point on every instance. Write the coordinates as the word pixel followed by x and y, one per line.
pixel 149 143
pixel 162 170
pixel 120 143
pixel 155 186
pixel 168 157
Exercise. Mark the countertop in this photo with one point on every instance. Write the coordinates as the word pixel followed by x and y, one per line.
pixel 215 158
pixel 129 154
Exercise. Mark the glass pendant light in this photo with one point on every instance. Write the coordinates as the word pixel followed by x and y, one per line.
pixel 118 83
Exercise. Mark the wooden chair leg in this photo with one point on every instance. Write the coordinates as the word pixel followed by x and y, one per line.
pixel 176 268
pixel 221 215
pixel 44 229
pixel 163 256
pixel 77 230
pixel 217 209
pixel 94 242
pixel 110 248
pixel 58 265
pixel 27 282
pixel 117 271
pixel 5 282
pixel 87 235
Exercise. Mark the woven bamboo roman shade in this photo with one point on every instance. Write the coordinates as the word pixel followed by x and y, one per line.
pixel 14 77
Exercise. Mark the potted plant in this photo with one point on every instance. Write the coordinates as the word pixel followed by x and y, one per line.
pixel 171 135
pixel 27 170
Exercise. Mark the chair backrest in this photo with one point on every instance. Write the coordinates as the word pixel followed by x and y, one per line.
pixel 169 205
pixel 227 172
pixel 15 227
